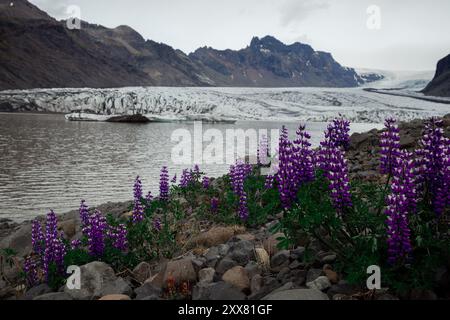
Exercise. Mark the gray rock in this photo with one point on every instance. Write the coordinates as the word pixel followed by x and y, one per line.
pixel 206 275
pixel 328 259
pixel 142 272
pixel 216 291
pixel 286 286
pixel 253 268
pixel 118 286
pixel 321 283
pixel 279 260
pixel 147 290
pixel 54 296
pixel 19 241
pixel 240 256
pixel 313 274
pixel 37 291
pixel 98 280
pixel 199 263
pixel 212 256
pixel 284 275
pixel 223 249
pixel 297 294
pixel 298 253
pixel 296 264
pixel 269 285
pixel 256 283
pixel 224 265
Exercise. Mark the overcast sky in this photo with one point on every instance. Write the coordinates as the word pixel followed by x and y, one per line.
pixel 413 34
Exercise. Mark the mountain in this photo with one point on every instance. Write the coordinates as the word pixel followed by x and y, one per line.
pixel 267 62
pixel 37 51
pixel 440 85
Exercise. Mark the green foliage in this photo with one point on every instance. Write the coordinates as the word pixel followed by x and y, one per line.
pixel 358 237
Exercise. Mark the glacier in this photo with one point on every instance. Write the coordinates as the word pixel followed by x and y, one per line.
pixel 228 104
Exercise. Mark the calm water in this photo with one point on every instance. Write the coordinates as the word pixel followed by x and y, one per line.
pixel 47 162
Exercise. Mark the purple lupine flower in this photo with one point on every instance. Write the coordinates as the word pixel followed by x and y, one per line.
pixel 303 158
pixel 285 177
pixel 30 269
pixel 238 174
pixel 432 166
pixel 337 174
pixel 269 182
pixel 138 211
pixel 95 232
pixel 186 177
pixel 37 237
pixel 174 179
pixel 338 133
pixel 54 246
pixel 149 197
pixel 401 203
pixel 390 147
pixel 75 244
pixel 137 189
pixel 441 199
pixel 164 184
pixel 214 204
pixel 205 182
pixel 196 169
pixel 84 212
pixel 157 224
pixel 118 236
pixel 138 208
pixel 263 151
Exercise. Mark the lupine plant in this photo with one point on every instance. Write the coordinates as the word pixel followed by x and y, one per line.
pixel 406 233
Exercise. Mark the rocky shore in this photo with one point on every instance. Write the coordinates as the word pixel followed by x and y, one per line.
pixel 218 262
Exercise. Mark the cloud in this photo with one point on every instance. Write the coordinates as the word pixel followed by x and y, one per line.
pixel 55 8
pixel 295 11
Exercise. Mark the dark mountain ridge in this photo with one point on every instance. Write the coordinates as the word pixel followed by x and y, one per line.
pixel 440 85
pixel 37 51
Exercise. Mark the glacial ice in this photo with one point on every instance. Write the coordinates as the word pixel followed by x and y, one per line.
pixel 216 104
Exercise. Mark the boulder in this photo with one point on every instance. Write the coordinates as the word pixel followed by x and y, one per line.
pixel 217 235
pixel 142 272
pixel 253 268
pixel 262 258
pixel 147 290
pixel 237 277
pixel 69 227
pixel 280 260
pixel 206 275
pixel 313 274
pixel 217 291
pixel 98 280
pixel 321 283
pixel 297 294
pixel 19 241
pixel 271 243
pixel 256 283
pixel 37 291
pixel 181 271
pixel 224 265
